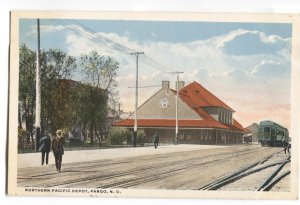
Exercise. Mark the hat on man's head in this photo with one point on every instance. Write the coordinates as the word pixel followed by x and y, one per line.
pixel 58 132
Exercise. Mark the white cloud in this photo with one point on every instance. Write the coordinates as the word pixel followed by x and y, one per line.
pixel 232 78
pixel 153 34
pixel 270 69
pixel 220 41
pixel 127 33
pixel 129 77
pixel 45 29
pixel 152 76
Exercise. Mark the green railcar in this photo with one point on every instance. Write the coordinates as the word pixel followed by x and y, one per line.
pixel 272 134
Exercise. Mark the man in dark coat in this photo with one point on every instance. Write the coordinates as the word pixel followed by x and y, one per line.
pixel 155 140
pixel 58 149
pixel 45 143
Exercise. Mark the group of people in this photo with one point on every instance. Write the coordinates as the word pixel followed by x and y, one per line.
pixel 57 145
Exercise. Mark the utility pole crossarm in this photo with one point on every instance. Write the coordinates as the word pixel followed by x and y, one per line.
pixel 137 53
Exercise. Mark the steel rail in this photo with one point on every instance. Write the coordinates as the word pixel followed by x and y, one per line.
pixel 231 177
pixel 268 180
pixel 276 180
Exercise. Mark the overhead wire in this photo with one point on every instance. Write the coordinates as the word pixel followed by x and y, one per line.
pixel 98 35
pixel 145 58
pixel 89 37
pixel 101 40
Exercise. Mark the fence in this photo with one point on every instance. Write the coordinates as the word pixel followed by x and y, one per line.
pixel 29 147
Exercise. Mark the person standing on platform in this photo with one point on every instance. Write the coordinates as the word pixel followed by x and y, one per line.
pixel 286 146
pixel 155 140
pixel 45 144
pixel 58 149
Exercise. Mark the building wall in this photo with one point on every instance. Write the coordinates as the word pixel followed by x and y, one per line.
pixel 153 108
pixel 195 136
pixel 254 131
pixel 220 114
pixel 225 116
pixel 213 111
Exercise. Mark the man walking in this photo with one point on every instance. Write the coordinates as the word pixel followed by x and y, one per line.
pixel 155 140
pixel 45 144
pixel 58 149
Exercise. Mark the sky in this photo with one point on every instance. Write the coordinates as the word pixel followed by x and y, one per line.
pixel 246 65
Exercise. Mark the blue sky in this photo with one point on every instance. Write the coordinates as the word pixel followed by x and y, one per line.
pixel 247 65
pixel 157 31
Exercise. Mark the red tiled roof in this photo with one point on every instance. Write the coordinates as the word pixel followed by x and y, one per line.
pixel 66 83
pixel 195 96
pixel 237 125
pixel 192 101
pixel 187 99
pixel 202 97
pixel 167 123
pixel 181 123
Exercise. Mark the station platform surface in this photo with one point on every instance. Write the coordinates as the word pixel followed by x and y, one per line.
pixel 34 159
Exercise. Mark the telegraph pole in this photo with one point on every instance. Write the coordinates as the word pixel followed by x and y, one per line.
pixel 136 96
pixel 119 118
pixel 38 92
pixel 177 90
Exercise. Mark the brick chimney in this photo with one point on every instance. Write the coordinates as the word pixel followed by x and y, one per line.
pixel 165 84
pixel 180 85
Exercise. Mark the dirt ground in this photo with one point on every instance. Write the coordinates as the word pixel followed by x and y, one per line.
pixel 174 170
pixel 253 181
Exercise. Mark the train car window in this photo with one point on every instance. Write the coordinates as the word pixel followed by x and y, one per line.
pixel 273 133
pixel 267 130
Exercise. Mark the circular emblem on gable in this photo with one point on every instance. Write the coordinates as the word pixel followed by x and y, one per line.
pixel 164 103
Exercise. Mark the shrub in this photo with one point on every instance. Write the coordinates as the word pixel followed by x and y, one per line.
pixel 117 135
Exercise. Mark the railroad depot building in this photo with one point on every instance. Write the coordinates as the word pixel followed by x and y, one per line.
pixel 202 117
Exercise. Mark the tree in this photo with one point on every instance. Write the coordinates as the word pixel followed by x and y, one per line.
pixel 55 108
pixel 119 135
pixel 66 103
pixel 27 75
pixel 100 72
pixel 55 105
pixel 89 106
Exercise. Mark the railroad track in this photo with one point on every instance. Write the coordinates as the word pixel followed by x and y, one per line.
pixel 154 176
pixel 250 169
pixel 159 171
pixel 272 179
pixel 154 169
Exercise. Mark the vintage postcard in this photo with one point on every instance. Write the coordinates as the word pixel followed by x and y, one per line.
pixel 159 105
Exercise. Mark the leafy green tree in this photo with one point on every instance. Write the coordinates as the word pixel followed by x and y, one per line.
pixel 141 136
pixel 89 106
pixel 119 135
pixel 66 103
pixel 56 108
pixel 27 75
pixel 55 104
pixel 100 72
